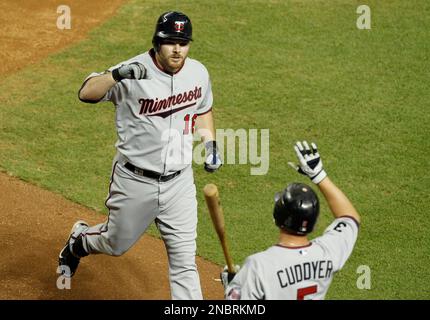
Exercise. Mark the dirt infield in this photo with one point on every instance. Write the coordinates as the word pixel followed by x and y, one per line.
pixel 34 222
pixel 29 30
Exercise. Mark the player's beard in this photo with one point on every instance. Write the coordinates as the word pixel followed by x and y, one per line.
pixel 175 62
pixel 167 61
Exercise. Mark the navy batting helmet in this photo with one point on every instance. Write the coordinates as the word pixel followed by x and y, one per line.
pixel 172 25
pixel 296 209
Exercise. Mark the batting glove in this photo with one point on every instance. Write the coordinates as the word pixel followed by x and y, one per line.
pixel 310 163
pixel 227 277
pixel 134 70
pixel 213 160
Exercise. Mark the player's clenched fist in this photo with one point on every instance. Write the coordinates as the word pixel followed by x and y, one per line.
pixel 310 163
pixel 213 159
pixel 134 70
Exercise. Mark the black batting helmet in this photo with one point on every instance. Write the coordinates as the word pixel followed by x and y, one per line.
pixel 296 209
pixel 172 25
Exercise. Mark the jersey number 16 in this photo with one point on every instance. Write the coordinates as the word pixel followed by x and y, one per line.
pixel 189 127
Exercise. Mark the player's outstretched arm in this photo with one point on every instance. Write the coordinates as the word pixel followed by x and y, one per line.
pixel 96 87
pixel 310 164
pixel 338 202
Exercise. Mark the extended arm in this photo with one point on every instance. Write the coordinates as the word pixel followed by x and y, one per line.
pixel 338 202
pixel 96 87
pixel 310 164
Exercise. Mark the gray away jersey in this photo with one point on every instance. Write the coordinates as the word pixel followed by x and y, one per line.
pixel 303 273
pixel 155 117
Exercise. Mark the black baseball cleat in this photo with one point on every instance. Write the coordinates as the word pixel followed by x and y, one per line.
pixel 68 261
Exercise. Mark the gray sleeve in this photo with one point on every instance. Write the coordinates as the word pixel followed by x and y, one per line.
pixel 206 104
pixel 339 240
pixel 113 93
pixel 247 284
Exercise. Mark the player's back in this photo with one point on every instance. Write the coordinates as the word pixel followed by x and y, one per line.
pixel 295 273
pixel 290 273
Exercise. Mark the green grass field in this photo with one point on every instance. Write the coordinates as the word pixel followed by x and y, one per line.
pixel 299 68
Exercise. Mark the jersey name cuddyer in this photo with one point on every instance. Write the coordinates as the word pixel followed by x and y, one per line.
pixel 286 273
pixel 155 117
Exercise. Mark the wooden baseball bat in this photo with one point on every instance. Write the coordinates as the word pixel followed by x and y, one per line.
pixel 214 205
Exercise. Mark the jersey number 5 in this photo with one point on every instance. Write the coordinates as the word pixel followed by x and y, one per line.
pixel 301 293
pixel 187 123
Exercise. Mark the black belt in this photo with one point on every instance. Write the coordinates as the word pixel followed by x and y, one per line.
pixel 151 174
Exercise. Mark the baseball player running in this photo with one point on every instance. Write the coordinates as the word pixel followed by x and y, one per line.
pixel 161 97
pixel 296 268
